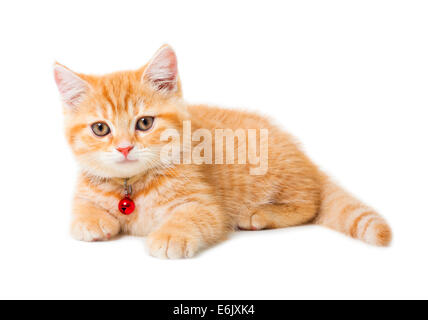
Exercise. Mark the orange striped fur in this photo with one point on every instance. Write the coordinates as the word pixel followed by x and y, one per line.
pixel 183 208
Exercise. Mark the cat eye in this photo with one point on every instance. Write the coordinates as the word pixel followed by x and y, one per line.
pixel 100 129
pixel 144 123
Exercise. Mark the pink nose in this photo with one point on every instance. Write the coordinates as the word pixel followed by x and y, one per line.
pixel 125 150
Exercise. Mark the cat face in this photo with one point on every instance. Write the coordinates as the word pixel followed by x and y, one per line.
pixel 114 122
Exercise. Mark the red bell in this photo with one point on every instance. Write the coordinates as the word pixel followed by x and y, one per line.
pixel 126 206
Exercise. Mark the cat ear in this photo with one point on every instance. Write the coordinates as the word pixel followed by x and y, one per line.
pixel 161 72
pixel 71 87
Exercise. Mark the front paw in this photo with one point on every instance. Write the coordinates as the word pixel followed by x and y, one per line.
pixel 94 228
pixel 172 243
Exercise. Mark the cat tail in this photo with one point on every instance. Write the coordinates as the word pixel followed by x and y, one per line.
pixel 344 213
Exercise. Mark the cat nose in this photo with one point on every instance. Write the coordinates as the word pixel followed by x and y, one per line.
pixel 125 150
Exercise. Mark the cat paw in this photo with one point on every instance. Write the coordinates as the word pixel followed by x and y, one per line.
pixel 254 222
pixel 172 245
pixel 94 229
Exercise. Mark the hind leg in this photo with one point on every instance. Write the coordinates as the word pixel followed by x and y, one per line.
pixel 269 216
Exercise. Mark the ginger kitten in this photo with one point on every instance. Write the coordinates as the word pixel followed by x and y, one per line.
pixel 185 201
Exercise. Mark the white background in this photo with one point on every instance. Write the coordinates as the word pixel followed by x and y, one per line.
pixel 348 78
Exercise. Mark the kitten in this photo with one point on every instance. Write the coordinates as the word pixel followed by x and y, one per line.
pixel 115 125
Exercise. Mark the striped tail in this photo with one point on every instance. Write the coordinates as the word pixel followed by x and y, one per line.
pixel 342 212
